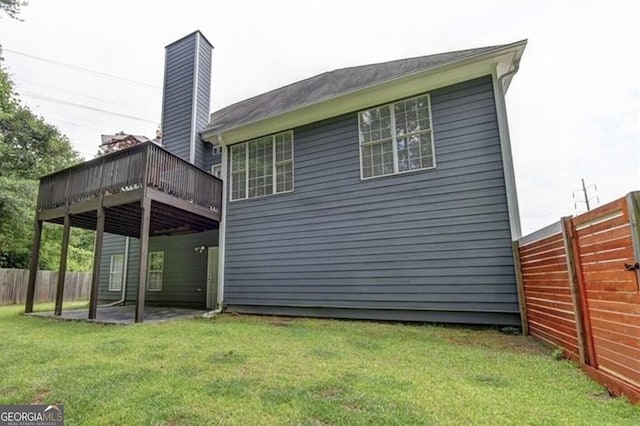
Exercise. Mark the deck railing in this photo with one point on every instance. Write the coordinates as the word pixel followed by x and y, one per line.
pixel 125 171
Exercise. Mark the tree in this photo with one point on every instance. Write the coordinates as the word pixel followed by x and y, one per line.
pixel 12 7
pixel 30 148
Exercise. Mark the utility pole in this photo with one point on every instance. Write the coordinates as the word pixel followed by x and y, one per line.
pixel 585 194
pixel 586 199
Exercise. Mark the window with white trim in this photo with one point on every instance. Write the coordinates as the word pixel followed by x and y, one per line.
pixel 216 149
pixel 216 170
pixel 156 271
pixel 396 138
pixel 262 166
pixel 116 271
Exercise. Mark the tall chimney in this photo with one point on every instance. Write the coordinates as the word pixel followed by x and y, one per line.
pixel 185 99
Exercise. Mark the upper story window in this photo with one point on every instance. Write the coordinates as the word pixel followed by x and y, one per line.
pixel 262 166
pixel 216 149
pixel 396 138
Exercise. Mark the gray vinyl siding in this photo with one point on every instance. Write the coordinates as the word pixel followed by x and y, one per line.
pixel 185 270
pixel 178 94
pixel 434 244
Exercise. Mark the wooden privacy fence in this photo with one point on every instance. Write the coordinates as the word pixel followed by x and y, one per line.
pixel 579 288
pixel 13 286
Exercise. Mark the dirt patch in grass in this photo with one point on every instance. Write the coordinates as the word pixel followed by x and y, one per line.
pixel 41 397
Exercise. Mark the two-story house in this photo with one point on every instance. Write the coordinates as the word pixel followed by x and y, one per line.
pixel 382 191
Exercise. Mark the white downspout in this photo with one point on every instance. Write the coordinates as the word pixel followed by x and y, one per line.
pixel 505 148
pixel 221 232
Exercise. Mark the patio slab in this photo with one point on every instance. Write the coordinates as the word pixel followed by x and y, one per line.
pixel 125 314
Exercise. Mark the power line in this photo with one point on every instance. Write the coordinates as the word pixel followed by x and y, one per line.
pixel 77 105
pixel 76 93
pixel 87 70
pixel 49 113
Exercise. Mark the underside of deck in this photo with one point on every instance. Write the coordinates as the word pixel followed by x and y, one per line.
pixel 168 216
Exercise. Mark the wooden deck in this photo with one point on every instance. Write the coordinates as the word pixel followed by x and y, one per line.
pixel 184 198
pixel 139 192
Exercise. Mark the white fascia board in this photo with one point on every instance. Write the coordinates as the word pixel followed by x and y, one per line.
pixel 377 94
pixel 507 157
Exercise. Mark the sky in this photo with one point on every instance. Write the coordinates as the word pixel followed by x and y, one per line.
pixel 96 67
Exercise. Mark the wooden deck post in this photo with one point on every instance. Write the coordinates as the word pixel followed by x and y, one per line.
pixel 515 246
pixel 62 270
pixel 144 257
pixel 33 267
pixel 97 254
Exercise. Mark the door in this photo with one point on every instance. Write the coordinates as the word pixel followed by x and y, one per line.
pixel 212 277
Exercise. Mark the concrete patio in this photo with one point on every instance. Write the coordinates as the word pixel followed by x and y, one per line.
pixel 124 314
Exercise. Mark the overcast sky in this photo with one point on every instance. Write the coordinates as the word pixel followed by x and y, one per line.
pixel 574 106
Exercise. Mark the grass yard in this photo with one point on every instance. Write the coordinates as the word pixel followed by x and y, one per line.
pixel 263 370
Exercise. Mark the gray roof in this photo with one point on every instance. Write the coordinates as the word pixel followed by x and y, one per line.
pixel 328 85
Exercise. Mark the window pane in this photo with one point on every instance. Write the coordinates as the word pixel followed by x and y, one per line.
pixel 238 157
pixel 377 159
pixel 260 167
pixel 156 261
pixel 412 115
pixel 283 146
pixel 375 124
pixel 415 152
pixel 284 177
pixel 238 188
pixel 156 267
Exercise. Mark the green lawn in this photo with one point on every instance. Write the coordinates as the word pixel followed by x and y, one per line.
pixel 264 370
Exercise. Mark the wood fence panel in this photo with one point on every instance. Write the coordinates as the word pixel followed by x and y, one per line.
pixel 599 323
pixel 605 245
pixel 547 293
pixel 13 286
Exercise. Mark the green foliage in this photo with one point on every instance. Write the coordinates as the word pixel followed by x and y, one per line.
pixel 17 206
pixel 12 7
pixel 30 148
pixel 237 370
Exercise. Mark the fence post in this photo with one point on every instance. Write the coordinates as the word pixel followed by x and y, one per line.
pixel 524 319
pixel 633 207
pixel 578 293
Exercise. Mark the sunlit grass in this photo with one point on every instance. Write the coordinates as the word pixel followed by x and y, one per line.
pixel 262 370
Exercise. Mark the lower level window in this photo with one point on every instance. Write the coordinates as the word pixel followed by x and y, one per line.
pixel 116 272
pixel 156 268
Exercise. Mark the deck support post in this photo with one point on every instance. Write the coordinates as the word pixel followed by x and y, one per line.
pixel 62 270
pixel 144 257
pixel 97 255
pixel 33 267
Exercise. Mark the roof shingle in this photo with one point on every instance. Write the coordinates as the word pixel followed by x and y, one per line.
pixel 328 85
